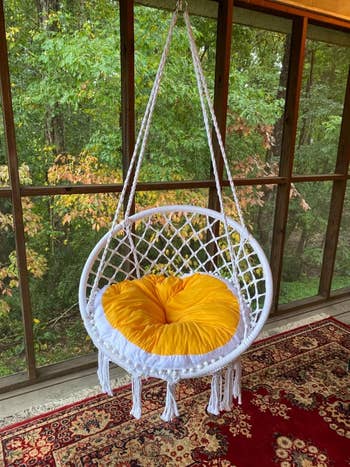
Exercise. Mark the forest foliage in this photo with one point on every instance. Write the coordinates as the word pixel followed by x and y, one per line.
pixel 65 81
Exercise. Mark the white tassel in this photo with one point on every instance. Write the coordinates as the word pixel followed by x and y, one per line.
pixel 237 381
pixel 103 373
pixel 171 409
pixel 226 402
pixel 215 395
pixel 136 385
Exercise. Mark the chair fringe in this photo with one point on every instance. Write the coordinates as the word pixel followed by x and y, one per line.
pixel 237 381
pixel 226 401
pixel 215 395
pixel 136 384
pixel 103 373
pixel 170 410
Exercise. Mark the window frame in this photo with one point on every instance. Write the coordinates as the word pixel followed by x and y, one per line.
pixel 301 19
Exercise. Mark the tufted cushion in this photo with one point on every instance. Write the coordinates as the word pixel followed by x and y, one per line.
pixel 170 321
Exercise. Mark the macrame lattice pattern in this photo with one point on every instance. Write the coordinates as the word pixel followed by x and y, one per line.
pixel 179 243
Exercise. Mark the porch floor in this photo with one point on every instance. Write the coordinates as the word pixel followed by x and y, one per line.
pixel 25 402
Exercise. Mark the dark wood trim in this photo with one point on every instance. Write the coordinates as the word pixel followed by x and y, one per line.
pixel 10 137
pixel 311 301
pixel 127 62
pixel 337 200
pixel 298 305
pixel 264 6
pixel 143 186
pixel 67 367
pixel 295 73
pixel 318 178
pixel 339 293
pixel 5 192
pixel 272 7
pixel 16 381
pixel 222 77
pixel 30 191
pixel 27 190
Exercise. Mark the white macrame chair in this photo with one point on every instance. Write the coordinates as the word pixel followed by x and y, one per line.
pixel 178 240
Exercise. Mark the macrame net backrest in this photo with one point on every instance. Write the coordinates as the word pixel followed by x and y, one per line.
pixel 180 239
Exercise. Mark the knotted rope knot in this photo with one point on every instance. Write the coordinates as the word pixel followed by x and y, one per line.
pixel 170 410
pixel 215 394
pixel 182 5
pixel 127 223
pixel 136 383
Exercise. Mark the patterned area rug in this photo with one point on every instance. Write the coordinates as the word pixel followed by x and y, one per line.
pixel 295 412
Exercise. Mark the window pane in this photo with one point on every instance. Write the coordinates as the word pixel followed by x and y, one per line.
pixel 64 63
pixel 150 199
pixel 177 148
pixel 258 79
pixel 258 207
pixel 62 230
pixel 306 229
pixel 12 352
pixel 341 277
pixel 321 106
pixel 4 174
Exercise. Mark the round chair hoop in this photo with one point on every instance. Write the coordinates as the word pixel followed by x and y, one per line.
pixel 179 240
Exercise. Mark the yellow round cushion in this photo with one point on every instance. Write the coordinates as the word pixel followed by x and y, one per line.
pixel 171 315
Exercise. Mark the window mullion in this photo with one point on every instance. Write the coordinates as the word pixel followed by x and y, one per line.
pixel 127 61
pixel 222 76
pixel 16 199
pixel 337 199
pixel 295 74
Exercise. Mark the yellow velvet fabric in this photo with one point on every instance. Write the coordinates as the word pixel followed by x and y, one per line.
pixel 171 315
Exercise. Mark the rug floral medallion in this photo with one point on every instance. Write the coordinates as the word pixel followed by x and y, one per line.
pixel 295 412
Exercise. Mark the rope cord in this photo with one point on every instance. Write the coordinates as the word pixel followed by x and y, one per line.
pixel 152 100
pixel 141 139
pixel 204 95
pixel 141 142
pixel 204 112
pixel 204 87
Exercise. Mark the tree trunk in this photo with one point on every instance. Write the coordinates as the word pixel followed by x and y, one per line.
pixel 54 129
pixel 275 150
pixel 305 132
pixel 45 7
pixel 300 251
pixel 54 120
pixel 281 94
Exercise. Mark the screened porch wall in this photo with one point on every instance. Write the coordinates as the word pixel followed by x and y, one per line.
pixel 279 81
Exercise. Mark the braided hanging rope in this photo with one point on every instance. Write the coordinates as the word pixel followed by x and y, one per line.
pixel 205 99
pixel 137 155
pixel 204 88
pixel 140 146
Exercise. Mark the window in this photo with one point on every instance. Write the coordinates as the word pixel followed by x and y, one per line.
pixel 65 65
pixel 177 148
pixel 306 230
pixel 341 277
pixel 321 106
pixel 12 350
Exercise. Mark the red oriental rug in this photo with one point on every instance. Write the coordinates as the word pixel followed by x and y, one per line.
pixel 295 412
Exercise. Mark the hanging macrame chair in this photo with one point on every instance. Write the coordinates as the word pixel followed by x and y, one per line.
pixel 217 266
